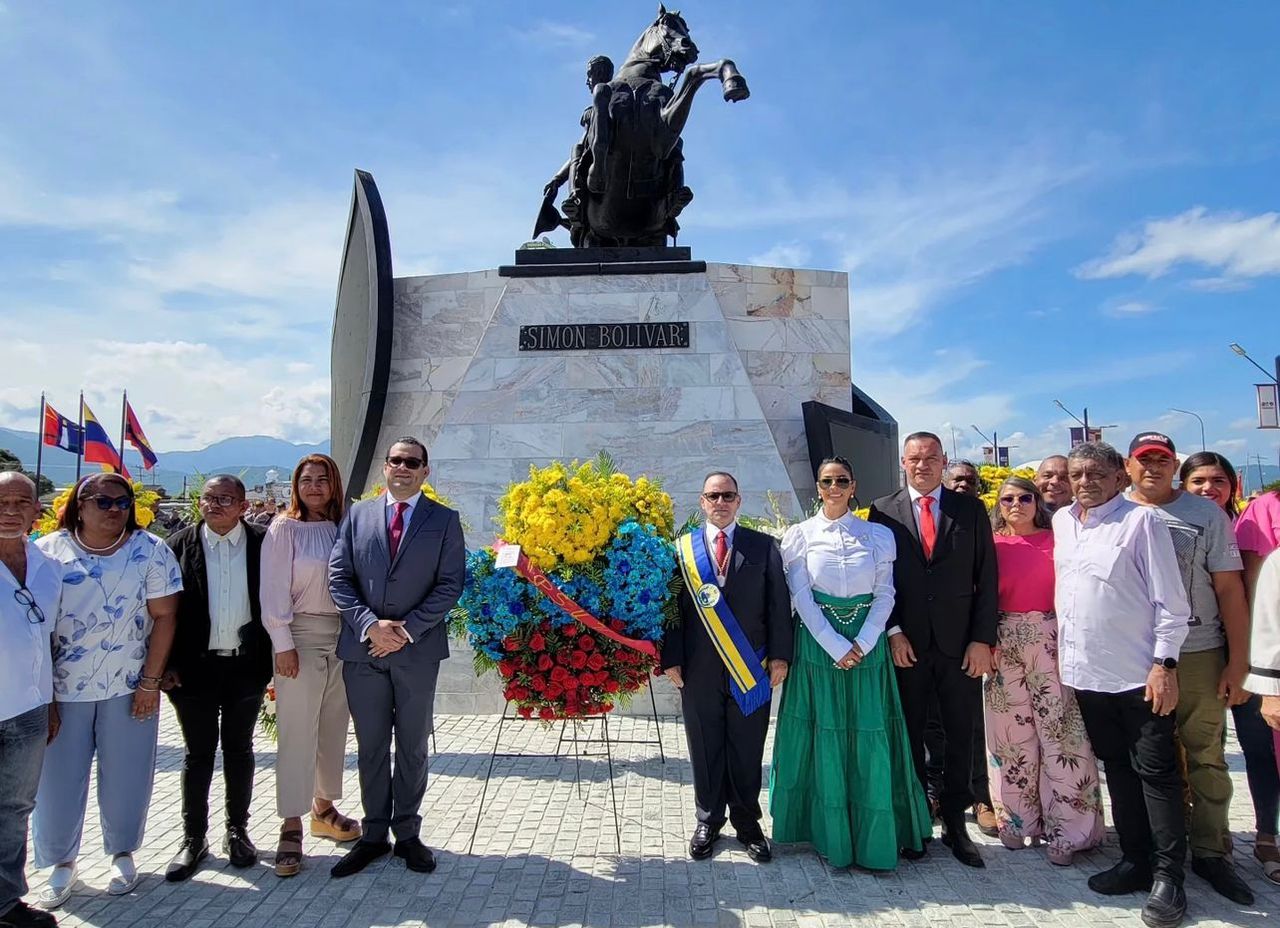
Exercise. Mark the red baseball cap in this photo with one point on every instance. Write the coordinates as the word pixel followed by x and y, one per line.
pixel 1151 441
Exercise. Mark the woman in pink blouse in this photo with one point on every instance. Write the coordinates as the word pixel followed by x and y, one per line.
pixel 311 701
pixel 1044 777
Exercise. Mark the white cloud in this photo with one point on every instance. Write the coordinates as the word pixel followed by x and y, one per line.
pixel 558 35
pixel 784 254
pixel 1237 245
pixel 1130 308
pixel 28 201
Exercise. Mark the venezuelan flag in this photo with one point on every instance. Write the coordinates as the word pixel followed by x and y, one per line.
pixel 98 448
pixel 134 435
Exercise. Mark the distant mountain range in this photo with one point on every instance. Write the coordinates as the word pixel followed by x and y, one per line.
pixel 249 457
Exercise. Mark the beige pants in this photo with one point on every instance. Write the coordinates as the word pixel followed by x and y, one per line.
pixel 311 719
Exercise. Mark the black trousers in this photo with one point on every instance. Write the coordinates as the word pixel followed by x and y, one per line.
pixel 937 678
pixel 726 750
pixel 1136 748
pixel 935 748
pixel 219 704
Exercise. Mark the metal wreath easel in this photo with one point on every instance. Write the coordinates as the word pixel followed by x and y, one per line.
pixel 657 731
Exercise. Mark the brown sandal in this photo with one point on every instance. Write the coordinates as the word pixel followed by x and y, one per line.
pixel 1266 854
pixel 334 825
pixel 289 853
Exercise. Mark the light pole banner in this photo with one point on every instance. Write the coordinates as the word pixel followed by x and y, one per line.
pixel 1268 405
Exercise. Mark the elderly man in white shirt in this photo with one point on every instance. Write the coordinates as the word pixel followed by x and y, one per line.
pixel 1122 615
pixel 30 588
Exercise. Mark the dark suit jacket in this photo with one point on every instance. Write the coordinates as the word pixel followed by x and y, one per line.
pixel 949 600
pixel 419 587
pixel 756 591
pixel 191 637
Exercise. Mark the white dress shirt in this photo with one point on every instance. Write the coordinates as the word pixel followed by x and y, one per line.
pixel 935 494
pixel 1264 641
pixel 846 557
pixel 26 653
pixel 1119 596
pixel 410 503
pixel 226 565
pixel 712 532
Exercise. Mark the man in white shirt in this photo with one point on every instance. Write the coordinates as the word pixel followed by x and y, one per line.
pixel 1122 617
pixel 30 589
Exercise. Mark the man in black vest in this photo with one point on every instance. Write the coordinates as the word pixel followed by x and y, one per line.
pixel 218 669
pixel 943 624
pixel 726 746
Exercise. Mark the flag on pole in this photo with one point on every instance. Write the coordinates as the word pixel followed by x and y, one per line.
pixel 134 435
pixel 61 432
pixel 98 448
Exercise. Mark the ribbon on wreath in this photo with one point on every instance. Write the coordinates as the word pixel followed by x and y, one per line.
pixel 531 572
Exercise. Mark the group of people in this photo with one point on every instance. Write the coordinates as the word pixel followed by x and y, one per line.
pixel 944 659
pixel 947 659
pixel 344 607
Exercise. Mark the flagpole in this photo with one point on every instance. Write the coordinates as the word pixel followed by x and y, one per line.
pixel 124 413
pixel 80 450
pixel 40 445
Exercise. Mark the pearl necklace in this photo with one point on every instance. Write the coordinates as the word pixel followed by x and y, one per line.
pixel 75 533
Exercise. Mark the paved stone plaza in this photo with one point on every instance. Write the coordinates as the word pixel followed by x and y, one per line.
pixel 545 857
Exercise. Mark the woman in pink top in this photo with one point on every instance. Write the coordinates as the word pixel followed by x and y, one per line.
pixel 312 718
pixel 1258 534
pixel 1044 777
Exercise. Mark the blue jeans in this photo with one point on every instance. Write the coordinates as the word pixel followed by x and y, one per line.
pixel 1260 766
pixel 22 741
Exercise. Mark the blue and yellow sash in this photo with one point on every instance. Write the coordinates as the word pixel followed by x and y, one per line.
pixel 747 676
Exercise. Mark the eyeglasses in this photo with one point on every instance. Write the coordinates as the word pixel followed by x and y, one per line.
pixel 714 497
pixel 1025 499
pixel 412 463
pixel 834 482
pixel 107 503
pixel 222 501
pixel 26 599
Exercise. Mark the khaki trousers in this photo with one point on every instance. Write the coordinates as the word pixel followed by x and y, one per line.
pixel 311 719
pixel 1202 722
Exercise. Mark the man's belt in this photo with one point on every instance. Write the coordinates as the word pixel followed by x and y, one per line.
pixel 224 652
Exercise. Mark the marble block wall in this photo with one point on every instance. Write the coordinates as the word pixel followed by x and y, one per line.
pixel 762 341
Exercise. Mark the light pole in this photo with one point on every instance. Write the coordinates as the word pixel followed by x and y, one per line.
pixel 1188 412
pixel 1274 378
pixel 1084 421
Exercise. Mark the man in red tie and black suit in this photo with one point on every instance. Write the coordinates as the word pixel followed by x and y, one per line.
pixel 943 624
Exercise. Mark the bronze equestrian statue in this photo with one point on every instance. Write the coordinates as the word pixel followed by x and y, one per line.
pixel 626 175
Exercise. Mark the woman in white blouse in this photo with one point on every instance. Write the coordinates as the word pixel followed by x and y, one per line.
pixel 312 718
pixel 842 776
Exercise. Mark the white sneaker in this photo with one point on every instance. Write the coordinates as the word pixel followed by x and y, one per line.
pixel 58 890
pixel 126 877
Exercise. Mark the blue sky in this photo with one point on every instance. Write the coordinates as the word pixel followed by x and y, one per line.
pixel 1049 201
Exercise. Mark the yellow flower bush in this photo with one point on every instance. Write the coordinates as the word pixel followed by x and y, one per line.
pixel 144 502
pixel 563 515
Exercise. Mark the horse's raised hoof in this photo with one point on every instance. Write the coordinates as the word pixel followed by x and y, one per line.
pixel 735 89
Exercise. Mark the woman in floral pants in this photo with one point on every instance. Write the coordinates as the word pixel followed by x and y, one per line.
pixel 1044 777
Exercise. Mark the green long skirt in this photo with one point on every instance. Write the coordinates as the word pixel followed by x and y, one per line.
pixel 842 777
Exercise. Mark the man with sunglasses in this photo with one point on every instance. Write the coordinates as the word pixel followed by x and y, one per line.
pixel 397 569
pixel 734 577
pixel 30 588
pixel 943 624
pixel 218 669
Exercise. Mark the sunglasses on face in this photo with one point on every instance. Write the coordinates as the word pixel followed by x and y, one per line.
pixel 221 501
pixel 1025 499
pixel 26 599
pixel 107 503
pixel 834 482
pixel 727 495
pixel 412 463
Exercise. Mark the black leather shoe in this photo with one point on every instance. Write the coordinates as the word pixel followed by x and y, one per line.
pixel 238 848
pixel 910 853
pixel 417 856
pixel 704 836
pixel 1166 906
pixel 1124 877
pixel 1222 876
pixel 187 860
pixel 23 916
pixel 359 857
pixel 956 837
pixel 757 846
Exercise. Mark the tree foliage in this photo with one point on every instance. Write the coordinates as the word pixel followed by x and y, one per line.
pixel 9 461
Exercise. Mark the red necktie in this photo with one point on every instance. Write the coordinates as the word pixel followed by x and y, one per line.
pixel 397 528
pixel 722 554
pixel 928 531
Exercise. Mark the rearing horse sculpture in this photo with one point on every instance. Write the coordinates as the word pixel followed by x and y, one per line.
pixel 627 173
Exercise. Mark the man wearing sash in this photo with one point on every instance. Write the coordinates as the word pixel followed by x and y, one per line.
pixel 732 648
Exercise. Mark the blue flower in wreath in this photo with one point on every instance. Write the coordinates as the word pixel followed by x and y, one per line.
pixel 638 579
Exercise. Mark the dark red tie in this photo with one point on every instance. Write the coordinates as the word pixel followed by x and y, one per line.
pixel 722 554
pixel 397 528
pixel 928 531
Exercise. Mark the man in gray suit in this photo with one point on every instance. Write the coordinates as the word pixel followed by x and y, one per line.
pixel 397 569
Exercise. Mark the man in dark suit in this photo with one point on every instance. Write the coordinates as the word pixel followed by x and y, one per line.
pixel 726 744
pixel 218 669
pixel 397 569
pixel 943 624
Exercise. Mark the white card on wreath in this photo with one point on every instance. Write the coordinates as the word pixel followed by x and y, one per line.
pixel 508 556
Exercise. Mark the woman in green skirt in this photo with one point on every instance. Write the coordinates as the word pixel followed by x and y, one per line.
pixel 842 777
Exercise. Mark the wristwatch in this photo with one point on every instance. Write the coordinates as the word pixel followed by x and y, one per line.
pixel 1168 663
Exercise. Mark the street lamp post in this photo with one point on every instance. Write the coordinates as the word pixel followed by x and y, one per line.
pixel 1188 412
pixel 1275 378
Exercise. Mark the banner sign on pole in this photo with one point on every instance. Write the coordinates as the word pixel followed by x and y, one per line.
pixel 1268 405
pixel 1003 456
pixel 988 455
